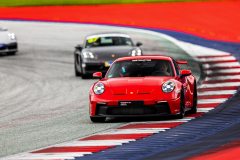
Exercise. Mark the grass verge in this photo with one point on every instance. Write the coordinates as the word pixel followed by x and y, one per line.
pixel 17 3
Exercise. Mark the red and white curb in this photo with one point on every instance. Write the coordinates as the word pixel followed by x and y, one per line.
pixel 222 80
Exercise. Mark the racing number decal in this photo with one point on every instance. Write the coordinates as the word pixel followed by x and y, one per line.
pixel 92 40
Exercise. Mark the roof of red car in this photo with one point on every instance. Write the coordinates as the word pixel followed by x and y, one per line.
pixel 144 57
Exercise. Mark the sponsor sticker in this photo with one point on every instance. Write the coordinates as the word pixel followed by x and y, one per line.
pixel 148 60
pixel 108 64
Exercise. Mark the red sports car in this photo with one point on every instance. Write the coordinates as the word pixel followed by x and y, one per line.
pixel 143 86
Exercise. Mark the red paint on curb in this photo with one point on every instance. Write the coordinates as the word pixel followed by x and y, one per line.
pixel 151 125
pixel 72 149
pixel 224 61
pixel 216 20
pixel 116 136
pixel 228 151
pixel 193 115
pixel 208 105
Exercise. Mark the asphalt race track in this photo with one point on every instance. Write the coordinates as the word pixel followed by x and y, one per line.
pixel 42 102
pixel 45 106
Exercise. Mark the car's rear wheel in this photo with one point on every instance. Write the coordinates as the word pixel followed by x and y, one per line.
pixel 97 119
pixel 182 106
pixel 194 108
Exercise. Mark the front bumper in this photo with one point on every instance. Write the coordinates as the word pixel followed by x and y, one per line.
pixel 153 106
pixel 146 110
pixel 11 47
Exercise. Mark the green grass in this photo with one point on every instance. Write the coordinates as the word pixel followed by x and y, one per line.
pixel 17 3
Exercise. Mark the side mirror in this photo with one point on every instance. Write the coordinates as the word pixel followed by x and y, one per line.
pixel 185 73
pixel 139 44
pixel 97 75
pixel 79 47
pixel 4 29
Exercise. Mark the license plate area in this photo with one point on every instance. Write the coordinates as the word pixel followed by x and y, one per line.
pixel 130 103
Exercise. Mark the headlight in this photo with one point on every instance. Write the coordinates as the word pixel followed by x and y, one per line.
pixel 99 88
pixel 168 87
pixel 11 36
pixel 88 54
pixel 136 52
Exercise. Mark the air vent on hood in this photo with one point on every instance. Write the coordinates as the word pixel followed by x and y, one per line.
pixel 143 93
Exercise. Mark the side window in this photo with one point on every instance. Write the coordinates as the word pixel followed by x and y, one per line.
pixel 176 67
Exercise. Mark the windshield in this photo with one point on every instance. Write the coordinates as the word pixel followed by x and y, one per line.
pixel 108 41
pixel 141 68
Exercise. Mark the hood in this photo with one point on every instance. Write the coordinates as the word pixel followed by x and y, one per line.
pixel 135 85
pixel 106 53
pixel 4 37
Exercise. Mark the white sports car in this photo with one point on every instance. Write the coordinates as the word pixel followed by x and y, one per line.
pixel 8 42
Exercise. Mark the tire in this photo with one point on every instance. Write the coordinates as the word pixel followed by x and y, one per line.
pixel 11 53
pixel 77 74
pixel 97 119
pixel 84 76
pixel 194 108
pixel 182 106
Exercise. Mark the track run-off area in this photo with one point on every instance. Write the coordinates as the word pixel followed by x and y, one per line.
pixel 45 107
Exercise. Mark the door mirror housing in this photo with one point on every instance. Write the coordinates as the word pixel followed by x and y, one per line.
pixel 139 44
pixel 185 73
pixel 79 47
pixel 97 75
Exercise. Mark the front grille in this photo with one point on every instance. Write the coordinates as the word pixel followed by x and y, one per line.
pixel 3 48
pixel 131 110
pixel 162 108
pixel 12 46
pixel 9 46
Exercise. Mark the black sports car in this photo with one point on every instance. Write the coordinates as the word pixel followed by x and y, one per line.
pixel 99 51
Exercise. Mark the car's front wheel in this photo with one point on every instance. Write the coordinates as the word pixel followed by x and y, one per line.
pixel 77 74
pixel 97 119
pixel 84 76
pixel 182 106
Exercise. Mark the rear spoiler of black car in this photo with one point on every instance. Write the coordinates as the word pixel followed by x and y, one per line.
pixel 181 62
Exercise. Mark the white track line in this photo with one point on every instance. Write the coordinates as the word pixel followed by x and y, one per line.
pixel 222 77
pixel 217 59
pixel 227 84
pixel 234 70
pixel 205 93
pixel 209 101
pixel 204 109
pixel 97 143
pixel 230 64
pixel 45 157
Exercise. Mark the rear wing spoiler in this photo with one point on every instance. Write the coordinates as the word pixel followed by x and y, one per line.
pixel 181 62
